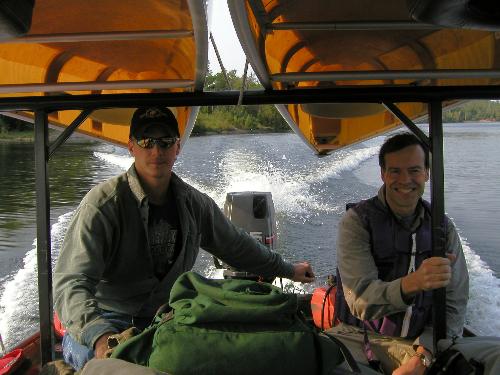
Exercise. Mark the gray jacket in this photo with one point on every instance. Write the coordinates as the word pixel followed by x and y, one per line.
pixel 105 261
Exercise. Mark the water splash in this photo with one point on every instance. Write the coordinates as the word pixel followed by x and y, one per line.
pixel 122 161
pixel 484 294
pixel 19 314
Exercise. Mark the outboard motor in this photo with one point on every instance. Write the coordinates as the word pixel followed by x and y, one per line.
pixel 254 213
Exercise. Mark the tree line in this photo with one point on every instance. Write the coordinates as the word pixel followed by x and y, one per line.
pixel 477 110
pixel 220 119
pixel 13 125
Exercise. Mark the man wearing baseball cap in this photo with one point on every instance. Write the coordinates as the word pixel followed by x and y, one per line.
pixel 133 235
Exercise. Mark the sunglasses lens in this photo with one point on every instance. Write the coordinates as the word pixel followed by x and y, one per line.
pixel 166 142
pixel 145 143
pixel 163 142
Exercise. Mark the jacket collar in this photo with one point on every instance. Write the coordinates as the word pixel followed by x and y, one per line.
pixel 135 185
pixel 420 210
pixel 176 184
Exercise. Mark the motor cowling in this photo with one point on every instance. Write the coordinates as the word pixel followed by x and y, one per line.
pixel 253 212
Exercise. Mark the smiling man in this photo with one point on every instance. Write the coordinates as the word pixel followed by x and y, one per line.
pixel 133 235
pixel 386 271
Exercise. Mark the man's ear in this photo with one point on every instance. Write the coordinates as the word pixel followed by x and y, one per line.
pixel 178 148
pixel 382 177
pixel 130 146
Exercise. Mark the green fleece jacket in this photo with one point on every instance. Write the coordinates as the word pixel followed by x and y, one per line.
pixel 105 261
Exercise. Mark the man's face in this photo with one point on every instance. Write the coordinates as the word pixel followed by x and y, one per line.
pixel 154 162
pixel 404 177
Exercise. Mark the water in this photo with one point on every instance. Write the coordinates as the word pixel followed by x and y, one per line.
pixel 309 194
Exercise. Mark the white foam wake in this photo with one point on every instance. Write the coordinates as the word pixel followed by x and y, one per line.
pixel 484 294
pixel 19 302
pixel 122 161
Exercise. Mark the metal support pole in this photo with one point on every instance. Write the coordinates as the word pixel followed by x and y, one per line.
pixel 391 107
pixel 69 130
pixel 243 84
pixel 43 236
pixel 437 211
pixel 224 73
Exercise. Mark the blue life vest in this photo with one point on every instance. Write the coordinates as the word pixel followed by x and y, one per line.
pixel 391 246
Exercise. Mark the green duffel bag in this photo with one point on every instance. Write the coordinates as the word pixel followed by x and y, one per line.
pixel 231 327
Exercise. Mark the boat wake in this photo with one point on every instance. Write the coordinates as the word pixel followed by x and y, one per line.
pixel 484 294
pixel 19 314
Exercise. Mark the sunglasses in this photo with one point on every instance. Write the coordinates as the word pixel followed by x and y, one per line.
pixel 162 142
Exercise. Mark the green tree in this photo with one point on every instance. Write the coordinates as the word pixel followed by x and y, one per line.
pixel 221 119
pixel 9 124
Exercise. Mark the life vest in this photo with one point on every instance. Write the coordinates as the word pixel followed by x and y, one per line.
pixel 392 263
pixel 58 327
pixel 11 361
pixel 323 305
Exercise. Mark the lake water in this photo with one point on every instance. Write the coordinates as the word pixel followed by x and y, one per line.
pixel 309 194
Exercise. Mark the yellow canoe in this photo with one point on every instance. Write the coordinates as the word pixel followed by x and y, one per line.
pixel 102 47
pixel 293 45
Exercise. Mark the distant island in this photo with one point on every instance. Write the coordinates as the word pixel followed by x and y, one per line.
pixel 258 118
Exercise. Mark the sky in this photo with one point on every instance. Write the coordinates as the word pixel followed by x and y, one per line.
pixel 226 40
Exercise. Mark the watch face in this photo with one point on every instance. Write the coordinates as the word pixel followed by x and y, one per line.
pixel 423 358
pixel 426 362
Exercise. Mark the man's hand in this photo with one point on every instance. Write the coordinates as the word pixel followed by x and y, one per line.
pixel 303 272
pixel 101 345
pixel 433 273
pixel 414 365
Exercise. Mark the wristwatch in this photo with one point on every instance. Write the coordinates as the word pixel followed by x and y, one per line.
pixel 423 358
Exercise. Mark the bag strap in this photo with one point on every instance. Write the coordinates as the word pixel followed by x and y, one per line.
pixel 351 362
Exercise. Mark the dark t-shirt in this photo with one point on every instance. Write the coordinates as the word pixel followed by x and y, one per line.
pixel 164 235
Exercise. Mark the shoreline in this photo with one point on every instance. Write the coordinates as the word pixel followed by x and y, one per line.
pixel 17 139
pixel 239 132
pixel 29 136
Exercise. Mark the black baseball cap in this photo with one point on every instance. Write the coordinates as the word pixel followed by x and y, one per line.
pixel 146 117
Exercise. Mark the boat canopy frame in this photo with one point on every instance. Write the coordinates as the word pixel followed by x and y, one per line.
pixel 388 96
pixel 338 94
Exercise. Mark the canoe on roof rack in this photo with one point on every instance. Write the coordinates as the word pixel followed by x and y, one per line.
pixel 293 45
pixel 49 47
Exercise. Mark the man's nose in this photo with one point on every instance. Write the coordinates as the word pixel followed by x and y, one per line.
pixel 156 149
pixel 404 177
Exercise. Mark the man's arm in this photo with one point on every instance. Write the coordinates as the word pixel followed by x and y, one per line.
pixel 367 296
pixel 78 271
